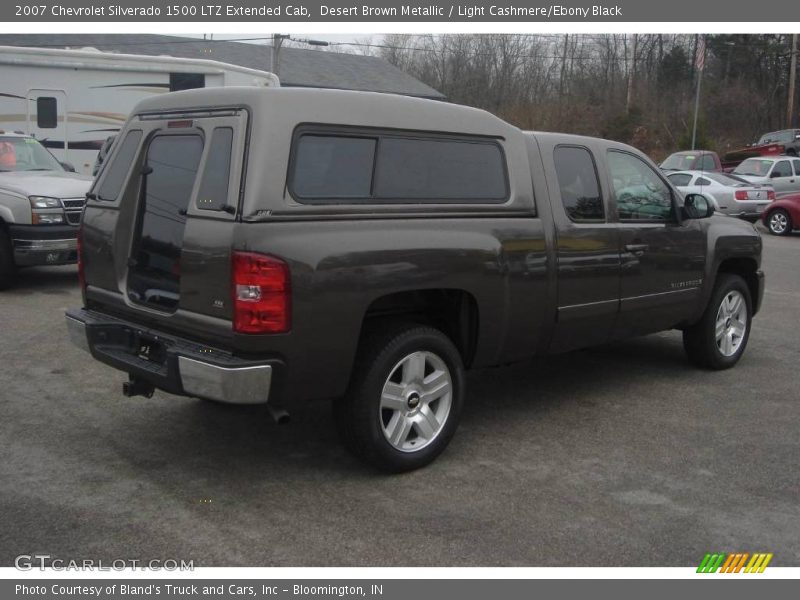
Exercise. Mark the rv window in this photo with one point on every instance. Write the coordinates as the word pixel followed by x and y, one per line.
pixel 117 170
pixel 46 112
pixel 213 194
pixel 437 170
pixel 333 167
pixel 186 81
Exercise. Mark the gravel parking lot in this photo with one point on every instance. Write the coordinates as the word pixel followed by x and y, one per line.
pixel 623 455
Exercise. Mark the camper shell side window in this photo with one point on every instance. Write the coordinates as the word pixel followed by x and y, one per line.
pixel 350 165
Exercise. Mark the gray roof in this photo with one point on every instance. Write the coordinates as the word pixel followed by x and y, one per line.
pixel 299 67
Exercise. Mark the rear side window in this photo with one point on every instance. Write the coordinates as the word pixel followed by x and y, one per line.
pixel 782 169
pixel 117 170
pixel 436 170
pixel 796 166
pixel 213 192
pixel 702 181
pixel 46 112
pixel 393 169
pixel 332 167
pixel 577 181
pixel 680 180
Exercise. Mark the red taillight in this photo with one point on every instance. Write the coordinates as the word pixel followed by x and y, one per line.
pixel 262 297
pixel 741 195
pixel 770 194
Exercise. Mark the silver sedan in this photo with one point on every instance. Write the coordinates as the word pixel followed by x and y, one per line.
pixel 729 194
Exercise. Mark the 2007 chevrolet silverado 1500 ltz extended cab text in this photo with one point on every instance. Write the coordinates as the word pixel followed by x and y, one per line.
pixel 282 245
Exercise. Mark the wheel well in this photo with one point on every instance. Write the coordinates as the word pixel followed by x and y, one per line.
pixel 453 311
pixel 746 269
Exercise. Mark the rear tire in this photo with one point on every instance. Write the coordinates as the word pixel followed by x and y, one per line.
pixel 7 267
pixel 779 222
pixel 719 338
pixel 404 400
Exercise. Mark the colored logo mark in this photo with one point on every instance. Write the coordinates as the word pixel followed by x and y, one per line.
pixel 735 562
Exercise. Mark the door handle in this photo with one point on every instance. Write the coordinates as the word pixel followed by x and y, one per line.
pixel 636 249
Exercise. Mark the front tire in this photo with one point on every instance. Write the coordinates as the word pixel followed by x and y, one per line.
pixel 7 267
pixel 405 398
pixel 779 222
pixel 719 339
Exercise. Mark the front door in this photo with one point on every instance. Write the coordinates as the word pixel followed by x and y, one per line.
pixel 47 120
pixel 662 259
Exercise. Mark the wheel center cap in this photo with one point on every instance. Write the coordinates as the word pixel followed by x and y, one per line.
pixel 413 400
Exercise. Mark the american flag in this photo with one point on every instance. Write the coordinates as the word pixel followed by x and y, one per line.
pixel 700 54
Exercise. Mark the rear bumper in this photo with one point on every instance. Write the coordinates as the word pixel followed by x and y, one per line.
pixel 44 244
pixel 177 366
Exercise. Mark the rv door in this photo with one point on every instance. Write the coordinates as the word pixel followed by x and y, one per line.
pixel 47 120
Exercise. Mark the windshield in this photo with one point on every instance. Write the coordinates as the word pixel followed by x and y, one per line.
pixel 679 162
pixel 724 179
pixel 754 167
pixel 26 154
pixel 777 136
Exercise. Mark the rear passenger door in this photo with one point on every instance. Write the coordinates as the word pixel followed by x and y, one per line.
pixel 587 247
pixel 662 258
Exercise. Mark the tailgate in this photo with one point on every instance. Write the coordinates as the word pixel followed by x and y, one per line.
pixel 159 224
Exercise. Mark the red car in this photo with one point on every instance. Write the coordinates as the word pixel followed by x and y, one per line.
pixel 782 216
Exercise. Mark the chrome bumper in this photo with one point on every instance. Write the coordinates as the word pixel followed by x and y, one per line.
pixel 241 385
pixel 235 385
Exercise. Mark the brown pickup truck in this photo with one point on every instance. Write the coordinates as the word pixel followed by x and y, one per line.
pixel 282 245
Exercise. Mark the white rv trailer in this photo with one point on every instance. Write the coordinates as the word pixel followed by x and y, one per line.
pixel 72 100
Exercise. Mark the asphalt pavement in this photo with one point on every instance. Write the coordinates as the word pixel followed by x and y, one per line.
pixel 622 455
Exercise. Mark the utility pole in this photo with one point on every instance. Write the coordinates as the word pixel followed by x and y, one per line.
pixel 700 64
pixel 790 113
pixel 277 42
pixel 631 76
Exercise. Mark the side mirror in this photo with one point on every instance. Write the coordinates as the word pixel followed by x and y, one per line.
pixel 775 174
pixel 697 206
pixel 68 166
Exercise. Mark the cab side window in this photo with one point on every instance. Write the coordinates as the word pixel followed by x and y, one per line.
pixel 782 169
pixel 641 194
pixel 577 180
pixel 796 162
pixel 680 179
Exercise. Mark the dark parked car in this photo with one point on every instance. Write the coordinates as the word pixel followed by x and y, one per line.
pixel 282 245
pixel 783 216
